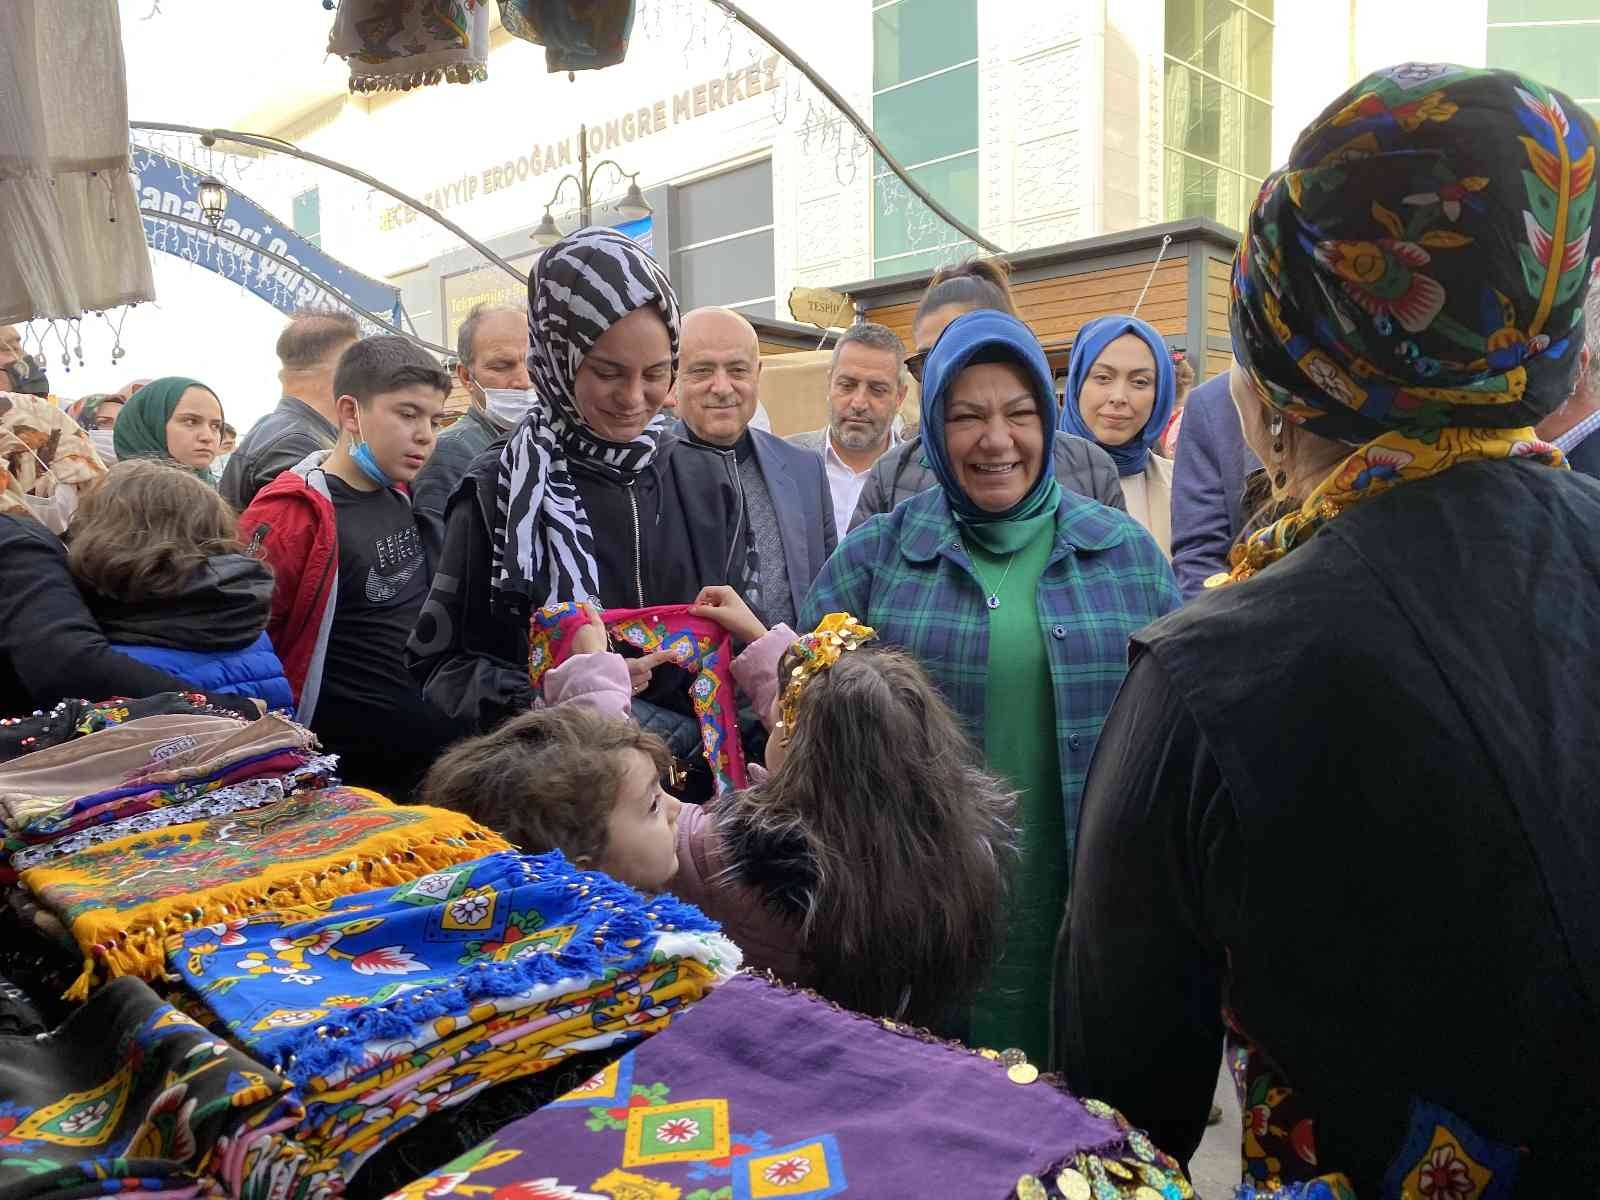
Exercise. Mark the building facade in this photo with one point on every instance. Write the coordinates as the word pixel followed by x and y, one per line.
pixel 1037 123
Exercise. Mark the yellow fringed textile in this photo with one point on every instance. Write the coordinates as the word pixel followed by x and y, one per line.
pixel 122 900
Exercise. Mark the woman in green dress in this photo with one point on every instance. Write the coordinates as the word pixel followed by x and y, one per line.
pixel 1018 597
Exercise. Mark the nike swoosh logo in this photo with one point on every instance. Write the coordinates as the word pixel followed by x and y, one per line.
pixel 383 588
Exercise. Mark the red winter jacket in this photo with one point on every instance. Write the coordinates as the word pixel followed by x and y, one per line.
pixel 292 521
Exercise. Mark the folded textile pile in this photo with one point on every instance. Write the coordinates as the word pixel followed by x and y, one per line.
pixel 387 1007
pixel 130 1097
pixel 122 899
pixel 137 766
pixel 761 1091
pixel 71 719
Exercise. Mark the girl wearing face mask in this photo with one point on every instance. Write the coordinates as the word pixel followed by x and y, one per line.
pixel 1120 391
pixel 98 415
pixel 173 419
pixel 591 497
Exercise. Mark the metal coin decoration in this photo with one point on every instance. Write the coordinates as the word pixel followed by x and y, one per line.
pixel 1073 1185
pixel 1023 1073
pixel 1029 1188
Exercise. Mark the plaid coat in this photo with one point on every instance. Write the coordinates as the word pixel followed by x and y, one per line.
pixel 905 574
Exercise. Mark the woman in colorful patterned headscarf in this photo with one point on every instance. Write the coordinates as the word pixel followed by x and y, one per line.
pixel 1344 809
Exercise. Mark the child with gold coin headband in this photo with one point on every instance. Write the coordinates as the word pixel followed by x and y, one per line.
pixel 867 861
pixel 811 653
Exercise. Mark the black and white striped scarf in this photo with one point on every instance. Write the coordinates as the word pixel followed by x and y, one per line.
pixel 543 543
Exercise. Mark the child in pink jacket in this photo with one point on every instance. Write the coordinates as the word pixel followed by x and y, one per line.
pixel 866 860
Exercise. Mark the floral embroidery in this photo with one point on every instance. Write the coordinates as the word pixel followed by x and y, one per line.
pixel 684 1129
pixel 786 1170
pixel 1348 275
pixel 1444 1158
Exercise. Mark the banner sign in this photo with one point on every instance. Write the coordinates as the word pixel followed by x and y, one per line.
pixel 641 231
pixel 169 186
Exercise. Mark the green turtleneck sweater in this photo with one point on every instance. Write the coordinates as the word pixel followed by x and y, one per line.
pixel 1019 744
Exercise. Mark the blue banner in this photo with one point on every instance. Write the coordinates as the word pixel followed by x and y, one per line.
pixel 641 231
pixel 169 186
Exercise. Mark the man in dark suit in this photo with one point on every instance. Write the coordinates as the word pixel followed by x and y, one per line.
pixel 1575 425
pixel 1207 485
pixel 788 509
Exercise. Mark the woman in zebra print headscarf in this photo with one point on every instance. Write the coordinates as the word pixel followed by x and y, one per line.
pixel 589 498
pixel 594 287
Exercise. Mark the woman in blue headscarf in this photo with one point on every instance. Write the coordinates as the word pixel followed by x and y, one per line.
pixel 1120 391
pixel 1018 597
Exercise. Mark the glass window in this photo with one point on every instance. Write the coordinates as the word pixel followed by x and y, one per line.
pixel 1561 56
pixel 930 118
pixel 930 125
pixel 1257 76
pixel 721 230
pixel 1541 10
pixel 926 260
pixel 905 223
pixel 732 272
pixel 1194 112
pixel 715 207
pixel 307 216
pixel 912 38
pixel 1218 121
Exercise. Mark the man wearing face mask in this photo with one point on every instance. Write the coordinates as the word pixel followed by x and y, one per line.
pixel 492 345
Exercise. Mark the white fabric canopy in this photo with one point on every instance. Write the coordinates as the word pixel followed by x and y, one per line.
pixel 71 239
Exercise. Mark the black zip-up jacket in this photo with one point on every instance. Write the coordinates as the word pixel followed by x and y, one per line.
pixel 1351 804
pixel 51 648
pixel 689 534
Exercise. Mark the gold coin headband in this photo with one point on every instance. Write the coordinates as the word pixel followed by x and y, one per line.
pixel 819 650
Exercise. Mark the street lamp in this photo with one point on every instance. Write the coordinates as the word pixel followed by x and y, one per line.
pixel 213 201
pixel 632 206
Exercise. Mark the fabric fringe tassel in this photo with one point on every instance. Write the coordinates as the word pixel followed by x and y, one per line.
pixel 458 73
pixel 143 950
pixel 612 940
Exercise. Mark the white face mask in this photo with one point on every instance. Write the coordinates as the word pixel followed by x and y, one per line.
pixel 104 444
pixel 505 407
pixel 54 511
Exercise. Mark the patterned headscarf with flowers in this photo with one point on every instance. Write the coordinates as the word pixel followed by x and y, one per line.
pixel 1412 283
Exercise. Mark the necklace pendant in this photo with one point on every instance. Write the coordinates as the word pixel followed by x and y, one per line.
pixel 994 601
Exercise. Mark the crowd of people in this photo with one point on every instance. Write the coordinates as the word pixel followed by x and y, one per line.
pixel 865 696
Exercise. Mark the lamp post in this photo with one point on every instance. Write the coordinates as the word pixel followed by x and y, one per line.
pixel 632 206
pixel 213 201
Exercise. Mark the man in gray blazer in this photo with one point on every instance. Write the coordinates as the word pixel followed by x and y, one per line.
pixel 788 510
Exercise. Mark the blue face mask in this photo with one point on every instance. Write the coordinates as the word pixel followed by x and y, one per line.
pixel 361 455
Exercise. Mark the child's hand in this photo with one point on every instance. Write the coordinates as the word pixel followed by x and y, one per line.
pixel 727 608
pixel 591 636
